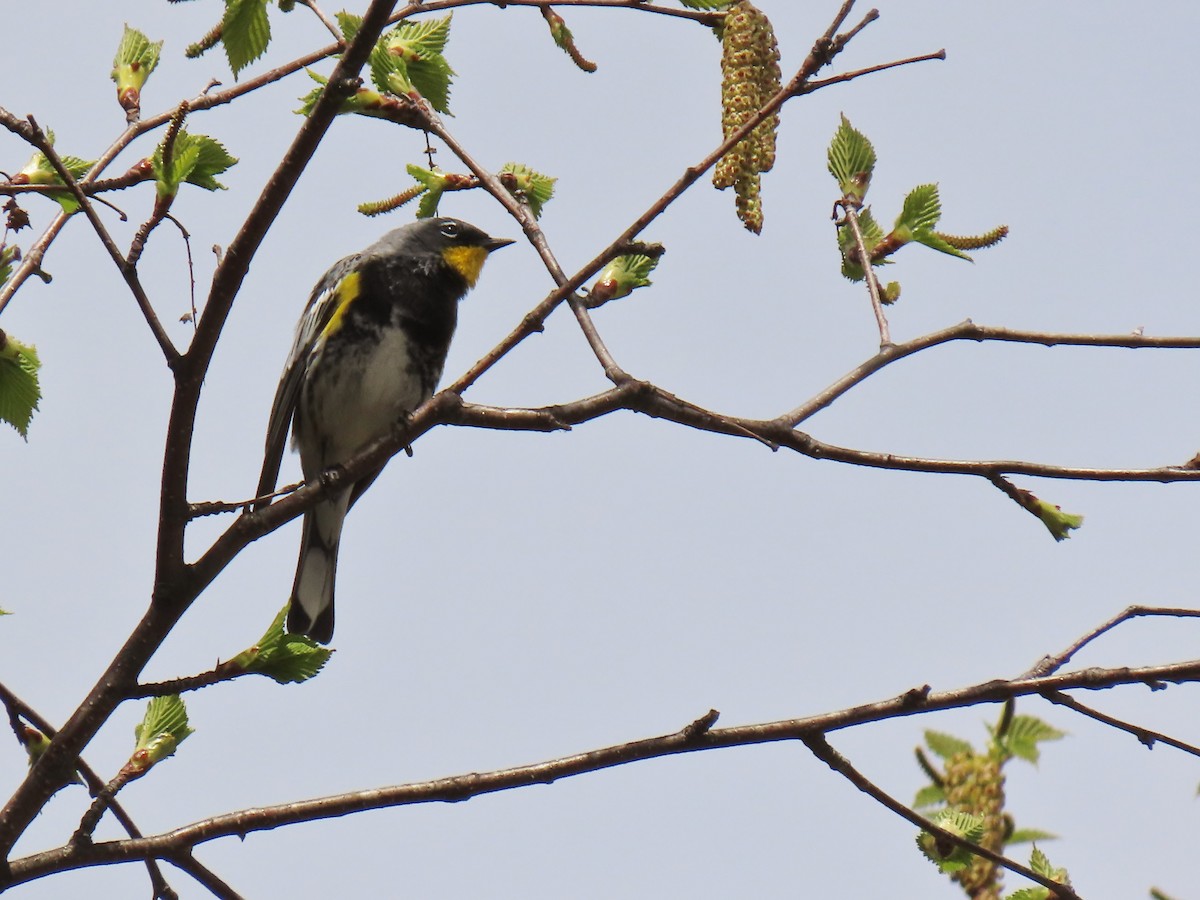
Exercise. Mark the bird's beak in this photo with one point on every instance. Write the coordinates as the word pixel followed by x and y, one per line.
pixel 496 243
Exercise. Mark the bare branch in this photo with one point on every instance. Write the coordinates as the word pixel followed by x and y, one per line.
pixel 969 331
pixel 330 25
pixel 1145 735
pixel 1047 665
pixel 33 134
pixel 534 232
pixel 692 738
pixel 869 70
pixel 205 876
pixel 850 206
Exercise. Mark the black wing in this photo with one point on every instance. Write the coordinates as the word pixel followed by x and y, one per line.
pixel 320 308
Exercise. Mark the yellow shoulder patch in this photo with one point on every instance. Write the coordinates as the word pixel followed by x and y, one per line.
pixel 466 261
pixel 343 295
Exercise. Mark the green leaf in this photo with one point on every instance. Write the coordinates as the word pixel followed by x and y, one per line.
pixel 245 32
pixel 434 181
pixel 533 188
pixel 19 388
pixel 8 256
pixel 851 160
pixel 39 171
pixel 284 657
pixel 1028 835
pixel 389 73
pixel 162 730
pixel 195 159
pixel 1040 863
pixel 137 56
pixel 349 24
pixel 930 795
pixel 707 4
pixel 1025 733
pixel 921 210
pixel 409 58
pixel 211 159
pixel 1030 893
pixel 417 40
pixel 428 207
pixel 431 77
pixel 946 745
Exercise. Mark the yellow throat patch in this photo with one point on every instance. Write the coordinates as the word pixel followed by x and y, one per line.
pixel 466 261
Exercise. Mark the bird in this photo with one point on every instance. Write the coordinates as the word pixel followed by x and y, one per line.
pixel 369 349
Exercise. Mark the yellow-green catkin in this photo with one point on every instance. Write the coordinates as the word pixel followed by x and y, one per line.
pixel 750 76
pixel 974 783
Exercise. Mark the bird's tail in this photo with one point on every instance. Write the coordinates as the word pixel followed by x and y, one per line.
pixel 311 610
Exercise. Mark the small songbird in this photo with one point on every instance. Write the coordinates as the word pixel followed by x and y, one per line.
pixel 369 349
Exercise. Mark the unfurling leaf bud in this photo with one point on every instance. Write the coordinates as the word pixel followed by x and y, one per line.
pixel 623 276
pixel 162 730
pixel 532 188
pixel 136 58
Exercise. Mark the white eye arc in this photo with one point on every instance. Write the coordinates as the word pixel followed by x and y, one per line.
pixel 450 229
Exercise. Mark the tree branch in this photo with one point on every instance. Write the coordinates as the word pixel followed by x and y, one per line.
pixel 33 134
pixel 1146 736
pixel 1048 665
pixel 95 784
pixel 174 588
pixel 969 331
pixel 694 737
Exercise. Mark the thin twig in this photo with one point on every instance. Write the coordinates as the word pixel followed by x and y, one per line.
pixel 1146 736
pixel 869 70
pixel 537 237
pixel 969 331
pixel 187 247
pixel 1047 665
pixel 330 25
pixel 850 208
pixel 702 16
pixel 162 203
pixel 205 876
pixel 31 132
pixel 219 673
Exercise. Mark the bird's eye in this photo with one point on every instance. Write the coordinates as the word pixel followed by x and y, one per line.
pixel 450 229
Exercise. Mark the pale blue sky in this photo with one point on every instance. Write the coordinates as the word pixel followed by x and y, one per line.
pixel 508 598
